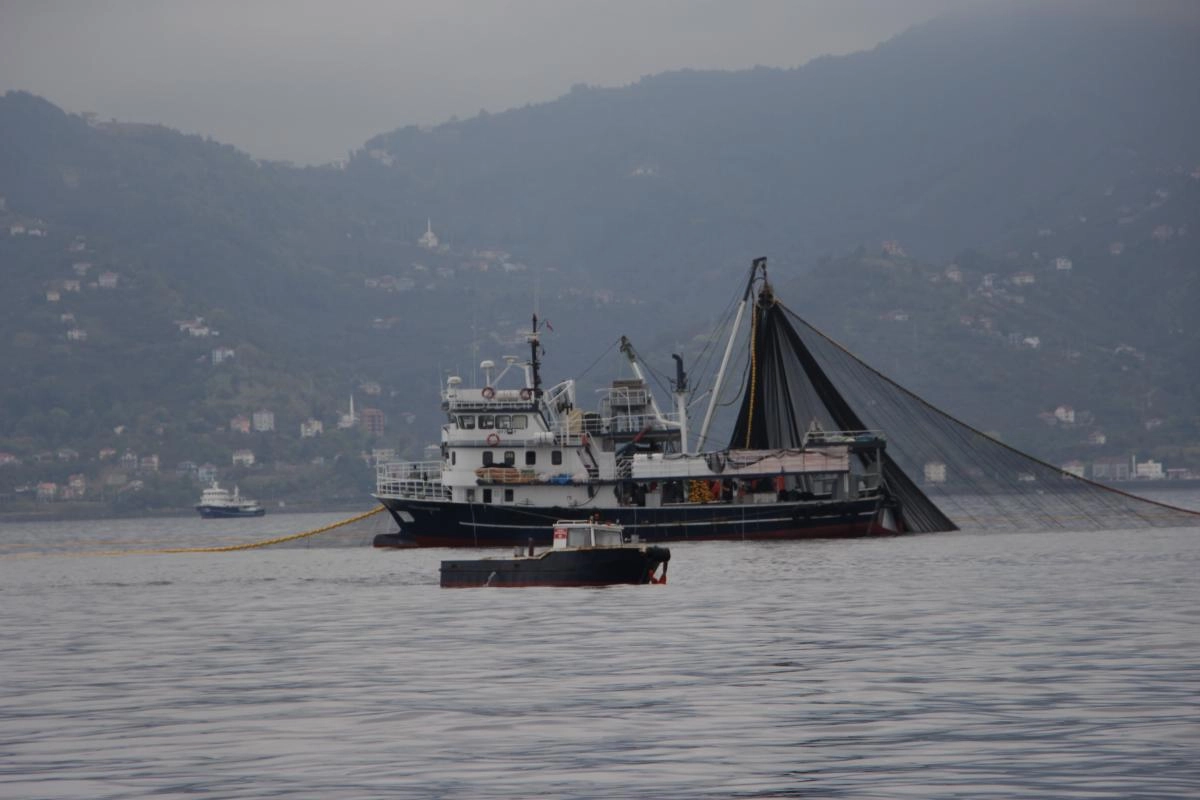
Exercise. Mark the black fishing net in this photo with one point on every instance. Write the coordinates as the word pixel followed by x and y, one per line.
pixel 945 473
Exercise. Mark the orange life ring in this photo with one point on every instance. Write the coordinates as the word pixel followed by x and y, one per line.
pixel 493 439
pixel 526 393
pixel 488 393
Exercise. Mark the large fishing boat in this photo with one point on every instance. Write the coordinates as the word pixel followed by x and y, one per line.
pixel 515 457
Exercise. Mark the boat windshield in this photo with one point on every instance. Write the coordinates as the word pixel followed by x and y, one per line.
pixel 594 536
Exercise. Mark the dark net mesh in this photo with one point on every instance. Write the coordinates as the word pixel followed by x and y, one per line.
pixel 945 473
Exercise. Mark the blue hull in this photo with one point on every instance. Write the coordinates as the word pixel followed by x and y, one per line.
pixel 213 512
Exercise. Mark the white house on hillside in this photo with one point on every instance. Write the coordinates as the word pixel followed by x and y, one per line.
pixel 263 420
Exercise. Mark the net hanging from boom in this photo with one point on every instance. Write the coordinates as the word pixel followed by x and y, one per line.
pixel 945 473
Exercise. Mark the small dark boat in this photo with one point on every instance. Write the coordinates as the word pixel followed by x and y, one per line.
pixel 584 553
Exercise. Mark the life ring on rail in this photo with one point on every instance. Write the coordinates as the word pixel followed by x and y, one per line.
pixel 493 439
pixel 488 393
pixel 526 393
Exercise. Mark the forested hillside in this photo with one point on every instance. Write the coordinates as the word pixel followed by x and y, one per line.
pixel 963 133
pixel 998 209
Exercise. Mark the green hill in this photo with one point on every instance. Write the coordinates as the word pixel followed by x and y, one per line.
pixel 996 141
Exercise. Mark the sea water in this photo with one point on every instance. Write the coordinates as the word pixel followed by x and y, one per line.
pixel 1013 665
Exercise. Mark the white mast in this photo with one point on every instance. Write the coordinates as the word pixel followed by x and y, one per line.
pixel 718 384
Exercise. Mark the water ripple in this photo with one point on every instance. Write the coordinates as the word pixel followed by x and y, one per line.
pixel 1000 666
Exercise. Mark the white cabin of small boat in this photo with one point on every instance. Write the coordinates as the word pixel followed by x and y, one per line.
pixel 587 533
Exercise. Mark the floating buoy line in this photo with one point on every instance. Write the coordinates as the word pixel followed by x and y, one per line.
pixel 228 548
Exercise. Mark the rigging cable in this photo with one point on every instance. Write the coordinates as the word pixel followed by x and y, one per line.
pixel 708 353
pixel 616 342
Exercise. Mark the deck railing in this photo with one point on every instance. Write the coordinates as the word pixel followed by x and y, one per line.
pixel 411 480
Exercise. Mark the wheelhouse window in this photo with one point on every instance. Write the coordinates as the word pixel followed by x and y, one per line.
pixel 466 422
pixel 487 458
pixel 530 457
pixel 520 422
pixel 487 421
pixel 504 422
pixel 556 457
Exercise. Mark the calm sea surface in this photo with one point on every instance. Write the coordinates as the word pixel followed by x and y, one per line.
pixel 1015 665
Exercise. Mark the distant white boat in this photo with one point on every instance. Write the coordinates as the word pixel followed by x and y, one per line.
pixel 216 502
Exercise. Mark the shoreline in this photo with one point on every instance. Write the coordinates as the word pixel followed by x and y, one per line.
pixel 91 513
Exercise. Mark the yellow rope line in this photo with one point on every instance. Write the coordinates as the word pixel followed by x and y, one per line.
pixel 229 548
pixel 753 375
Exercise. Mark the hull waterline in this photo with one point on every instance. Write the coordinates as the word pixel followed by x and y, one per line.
pixel 210 512
pixel 446 524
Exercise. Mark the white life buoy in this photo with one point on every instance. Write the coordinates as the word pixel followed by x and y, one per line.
pixel 526 393
pixel 488 393
pixel 493 439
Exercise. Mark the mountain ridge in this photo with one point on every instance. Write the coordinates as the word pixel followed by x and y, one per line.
pixel 629 210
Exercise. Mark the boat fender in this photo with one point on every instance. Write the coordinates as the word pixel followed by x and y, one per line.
pixel 526 393
pixel 493 439
pixel 488 393
pixel 663 554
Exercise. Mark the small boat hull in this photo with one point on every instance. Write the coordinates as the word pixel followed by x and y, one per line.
pixel 599 566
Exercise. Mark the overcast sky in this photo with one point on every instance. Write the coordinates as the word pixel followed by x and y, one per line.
pixel 309 81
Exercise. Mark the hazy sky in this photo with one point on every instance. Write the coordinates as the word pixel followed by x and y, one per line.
pixel 309 81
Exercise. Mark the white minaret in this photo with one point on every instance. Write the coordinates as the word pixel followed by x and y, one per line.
pixel 348 420
pixel 428 239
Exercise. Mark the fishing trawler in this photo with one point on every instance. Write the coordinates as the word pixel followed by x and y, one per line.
pixel 515 457
pixel 217 503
